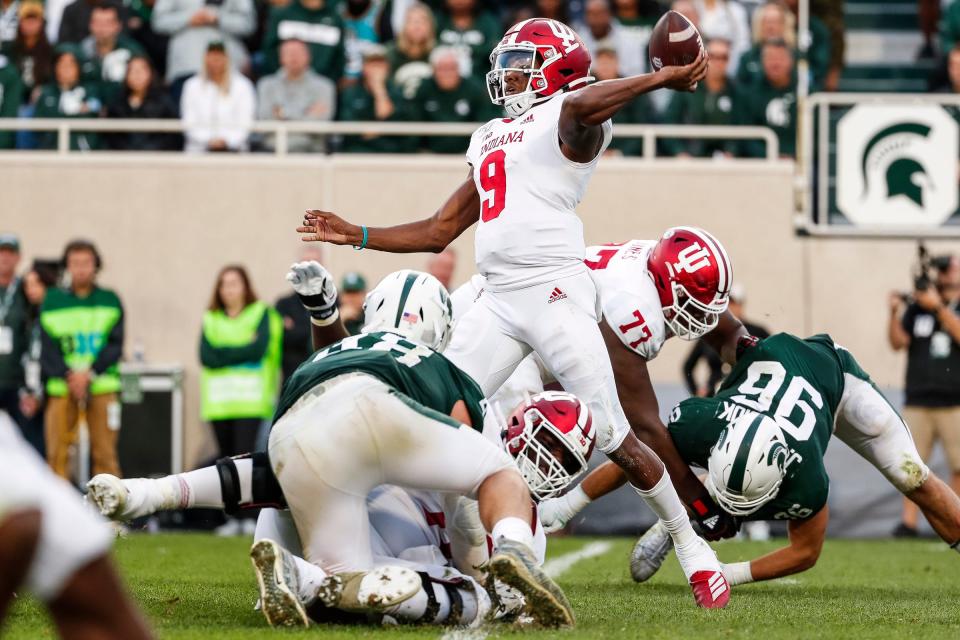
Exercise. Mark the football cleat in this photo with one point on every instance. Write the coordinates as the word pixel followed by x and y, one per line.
pixel 700 565
pixel 278 579
pixel 128 499
pixel 514 564
pixel 650 552
pixel 365 591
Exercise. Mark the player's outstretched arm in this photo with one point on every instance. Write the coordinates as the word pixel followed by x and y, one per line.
pixel 806 541
pixel 318 294
pixel 456 215
pixel 725 336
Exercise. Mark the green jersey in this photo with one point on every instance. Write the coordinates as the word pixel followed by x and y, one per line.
pixel 416 371
pixel 799 384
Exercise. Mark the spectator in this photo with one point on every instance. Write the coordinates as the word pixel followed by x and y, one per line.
pixel 353 291
pixel 373 98
pixel 81 344
pixel 637 18
pixel 701 350
pixel 474 32
pixel 361 24
pixel 142 97
pixel 606 66
pixel 11 97
pixel 602 31
pixel 409 55
pixel 442 266
pixel 75 22
pixel 448 97
pixel 31 52
pixel 68 97
pixel 725 19
pixel 688 9
pixel 9 15
pixel 108 49
pixel 41 278
pixel 771 21
pixel 296 92
pixel 193 25
pixel 217 106
pixel 830 40
pixel 297 337
pixel 316 22
pixel 138 27
pixel 554 10
pixel 240 349
pixel 819 55
pixel 772 101
pixel 715 102
pixel 929 329
pixel 13 328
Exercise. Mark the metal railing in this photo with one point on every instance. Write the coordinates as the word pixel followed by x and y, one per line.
pixel 282 129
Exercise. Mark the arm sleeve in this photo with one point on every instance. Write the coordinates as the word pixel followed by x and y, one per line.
pixel 215 357
pixel 244 110
pixel 194 130
pixel 689 365
pixel 112 351
pixel 171 16
pixel 237 17
pixel 264 103
pixel 52 364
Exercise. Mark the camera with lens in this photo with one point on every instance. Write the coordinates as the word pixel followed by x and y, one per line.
pixel 926 269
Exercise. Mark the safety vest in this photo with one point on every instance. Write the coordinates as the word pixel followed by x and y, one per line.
pixel 81 326
pixel 241 391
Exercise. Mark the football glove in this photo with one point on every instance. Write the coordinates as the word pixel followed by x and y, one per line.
pixel 555 513
pixel 314 286
pixel 715 523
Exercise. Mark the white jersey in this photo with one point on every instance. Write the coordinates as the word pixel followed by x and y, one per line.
pixel 630 302
pixel 529 232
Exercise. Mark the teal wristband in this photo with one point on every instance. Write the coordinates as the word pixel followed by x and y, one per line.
pixel 363 243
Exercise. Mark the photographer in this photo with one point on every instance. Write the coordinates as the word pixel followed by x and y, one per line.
pixel 929 329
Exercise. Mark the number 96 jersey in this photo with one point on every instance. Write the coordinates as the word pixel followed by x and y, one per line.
pixel 529 232
pixel 628 297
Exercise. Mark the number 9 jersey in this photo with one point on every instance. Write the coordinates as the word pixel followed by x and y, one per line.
pixel 529 232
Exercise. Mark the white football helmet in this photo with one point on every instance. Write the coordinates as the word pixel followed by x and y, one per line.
pixel 748 464
pixel 412 304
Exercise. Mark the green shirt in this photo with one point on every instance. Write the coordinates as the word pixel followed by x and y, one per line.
pixel 703 107
pixel 467 103
pixel 109 71
pixel 55 103
pixel 11 97
pixel 356 104
pixel 417 372
pixel 478 39
pixel 13 342
pixel 769 106
pixel 802 381
pixel 322 30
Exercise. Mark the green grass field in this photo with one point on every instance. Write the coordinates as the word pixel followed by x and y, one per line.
pixel 199 586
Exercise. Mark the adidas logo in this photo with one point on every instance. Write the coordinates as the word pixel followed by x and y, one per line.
pixel 529 118
pixel 711 522
pixel 717 585
pixel 555 295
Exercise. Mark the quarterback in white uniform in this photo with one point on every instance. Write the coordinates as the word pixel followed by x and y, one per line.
pixel 528 174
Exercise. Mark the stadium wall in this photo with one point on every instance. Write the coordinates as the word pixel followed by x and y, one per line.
pixel 166 224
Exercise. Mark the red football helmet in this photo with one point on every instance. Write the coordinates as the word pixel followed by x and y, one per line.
pixel 551 437
pixel 692 274
pixel 548 52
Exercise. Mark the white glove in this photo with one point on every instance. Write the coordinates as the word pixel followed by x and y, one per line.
pixel 555 513
pixel 316 289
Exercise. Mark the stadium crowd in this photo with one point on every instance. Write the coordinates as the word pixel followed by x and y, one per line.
pixel 219 65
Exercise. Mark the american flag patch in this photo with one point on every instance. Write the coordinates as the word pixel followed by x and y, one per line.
pixel 412 318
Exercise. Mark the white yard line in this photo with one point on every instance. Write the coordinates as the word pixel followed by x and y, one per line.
pixel 464 634
pixel 561 564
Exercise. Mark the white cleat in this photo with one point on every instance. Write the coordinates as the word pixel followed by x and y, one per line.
pixel 369 591
pixel 107 493
pixel 128 499
pixel 650 551
pixel 279 583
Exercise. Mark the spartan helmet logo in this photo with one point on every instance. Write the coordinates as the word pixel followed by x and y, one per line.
pixel 905 175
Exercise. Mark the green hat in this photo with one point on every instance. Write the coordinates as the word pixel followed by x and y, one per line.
pixel 9 241
pixel 353 282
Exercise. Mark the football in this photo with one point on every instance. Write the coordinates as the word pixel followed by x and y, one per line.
pixel 674 41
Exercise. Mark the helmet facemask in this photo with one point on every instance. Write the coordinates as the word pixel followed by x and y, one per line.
pixel 547 462
pixel 690 319
pixel 522 59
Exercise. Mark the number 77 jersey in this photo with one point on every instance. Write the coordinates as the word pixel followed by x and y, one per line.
pixel 529 232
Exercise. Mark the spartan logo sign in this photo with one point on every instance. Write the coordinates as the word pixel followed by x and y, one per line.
pixel 896 165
